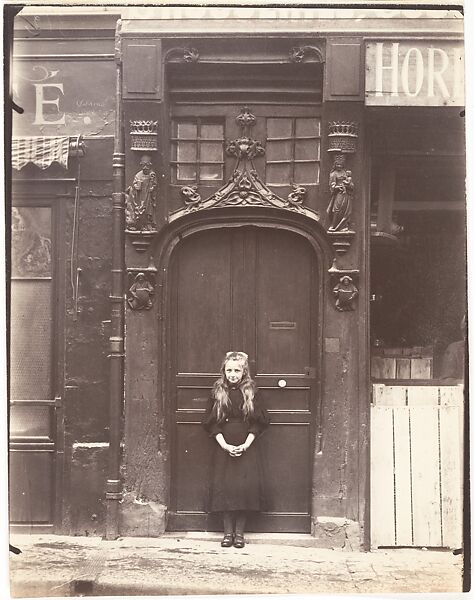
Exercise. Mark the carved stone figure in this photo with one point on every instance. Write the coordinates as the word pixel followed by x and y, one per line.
pixel 191 197
pixel 141 293
pixel 297 196
pixel 342 189
pixel 345 292
pixel 141 198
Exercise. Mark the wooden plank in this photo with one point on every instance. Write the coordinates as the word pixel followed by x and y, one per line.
pixel 451 395
pixel 422 395
pixel 425 476
pixel 389 395
pixel 382 519
pixel 451 476
pixel 403 368
pixel 378 390
pixel 403 504
pixel 395 395
pixel 421 368
pixel 382 367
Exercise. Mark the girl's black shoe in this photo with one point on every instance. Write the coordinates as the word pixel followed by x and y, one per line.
pixel 227 540
pixel 239 541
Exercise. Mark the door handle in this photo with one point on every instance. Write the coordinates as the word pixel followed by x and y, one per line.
pixel 282 383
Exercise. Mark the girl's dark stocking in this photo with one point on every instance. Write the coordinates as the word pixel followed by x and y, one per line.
pixel 241 518
pixel 228 523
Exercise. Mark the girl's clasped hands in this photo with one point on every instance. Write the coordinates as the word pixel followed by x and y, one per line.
pixel 234 450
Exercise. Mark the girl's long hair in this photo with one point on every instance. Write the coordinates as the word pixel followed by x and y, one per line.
pixel 220 389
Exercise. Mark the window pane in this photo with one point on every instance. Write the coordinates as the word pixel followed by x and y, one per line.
pixel 30 421
pixel 31 242
pixel 307 150
pixel 211 151
pixel 307 127
pixel 30 349
pixel 187 130
pixel 210 132
pixel 279 151
pixel 278 173
pixel 186 151
pixel 279 128
pixel 186 173
pixel 211 173
pixel 306 173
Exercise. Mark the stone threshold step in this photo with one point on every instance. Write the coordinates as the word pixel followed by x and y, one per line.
pixel 304 540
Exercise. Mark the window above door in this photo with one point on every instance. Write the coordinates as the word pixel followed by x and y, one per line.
pixel 292 145
pixel 197 150
pixel 292 150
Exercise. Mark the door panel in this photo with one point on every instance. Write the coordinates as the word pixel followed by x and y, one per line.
pixel 283 283
pixel 204 298
pixel 244 289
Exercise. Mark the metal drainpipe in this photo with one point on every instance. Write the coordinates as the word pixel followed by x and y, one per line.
pixel 113 489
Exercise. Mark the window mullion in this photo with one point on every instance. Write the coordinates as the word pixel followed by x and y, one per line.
pixel 198 150
pixel 293 153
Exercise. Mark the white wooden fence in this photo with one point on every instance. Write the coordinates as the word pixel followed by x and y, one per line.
pixel 416 465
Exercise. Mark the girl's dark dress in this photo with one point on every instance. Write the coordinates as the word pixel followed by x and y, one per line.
pixel 236 481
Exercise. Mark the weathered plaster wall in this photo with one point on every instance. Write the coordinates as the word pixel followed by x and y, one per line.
pixel 86 418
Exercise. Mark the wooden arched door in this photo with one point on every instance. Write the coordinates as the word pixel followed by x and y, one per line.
pixel 251 289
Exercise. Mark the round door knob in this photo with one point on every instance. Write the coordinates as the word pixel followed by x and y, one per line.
pixel 282 383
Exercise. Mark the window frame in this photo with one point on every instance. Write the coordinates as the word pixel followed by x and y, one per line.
pixel 293 161
pixel 198 163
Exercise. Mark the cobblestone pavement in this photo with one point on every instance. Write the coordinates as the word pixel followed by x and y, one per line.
pixel 178 565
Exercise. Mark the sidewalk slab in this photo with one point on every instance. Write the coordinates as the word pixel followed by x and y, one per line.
pixel 181 564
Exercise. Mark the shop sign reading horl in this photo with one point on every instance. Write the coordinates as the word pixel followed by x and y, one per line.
pixel 414 73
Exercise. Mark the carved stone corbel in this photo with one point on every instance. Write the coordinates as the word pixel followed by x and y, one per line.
pixel 141 291
pixel 344 287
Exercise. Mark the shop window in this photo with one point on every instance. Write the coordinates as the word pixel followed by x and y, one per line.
pixel 293 150
pixel 31 347
pixel 197 151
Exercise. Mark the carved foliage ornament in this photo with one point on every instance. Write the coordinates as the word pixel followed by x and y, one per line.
pixel 302 53
pixel 189 55
pixel 244 188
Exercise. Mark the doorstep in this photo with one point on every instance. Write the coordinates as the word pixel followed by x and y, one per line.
pixel 302 540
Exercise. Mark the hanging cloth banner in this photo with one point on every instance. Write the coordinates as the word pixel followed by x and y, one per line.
pixel 41 151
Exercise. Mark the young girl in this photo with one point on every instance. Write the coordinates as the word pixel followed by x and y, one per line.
pixel 235 419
